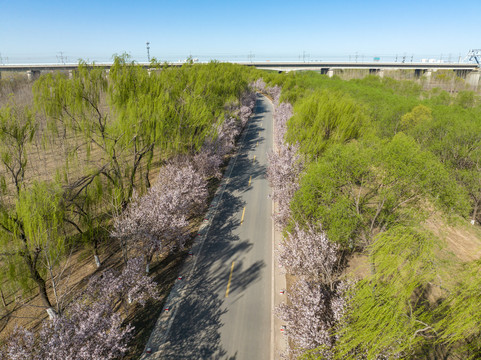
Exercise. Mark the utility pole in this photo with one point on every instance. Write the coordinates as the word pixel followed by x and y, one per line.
pixel 148 51
pixel 250 56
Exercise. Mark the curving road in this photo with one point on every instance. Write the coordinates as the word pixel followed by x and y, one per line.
pixel 222 307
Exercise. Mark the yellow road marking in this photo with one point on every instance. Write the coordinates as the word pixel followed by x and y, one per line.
pixel 257 143
pixel 254 159
pixel 230 278
pixel 250 178
pixel 243 213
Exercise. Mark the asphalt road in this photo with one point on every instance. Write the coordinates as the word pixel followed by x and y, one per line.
pixel 224 310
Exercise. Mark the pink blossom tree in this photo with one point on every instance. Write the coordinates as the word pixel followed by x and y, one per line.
pixel 207 162
pixel 282 113
pixel 259 85
pixel 283 172
pixel 308 315
pixel 131 284
pixel 158 220
pixel 89 328
pixel 149 224
pixel 308 252
pixel 248 102
pixel 87 332
pixel 275 93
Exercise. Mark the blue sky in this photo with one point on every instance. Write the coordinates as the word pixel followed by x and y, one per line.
pixel 36 31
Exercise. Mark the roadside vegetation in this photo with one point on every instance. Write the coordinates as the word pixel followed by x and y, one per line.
pixel 113 172
pixel 378 186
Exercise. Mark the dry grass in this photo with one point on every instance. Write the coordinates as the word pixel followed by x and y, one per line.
pixel 462 239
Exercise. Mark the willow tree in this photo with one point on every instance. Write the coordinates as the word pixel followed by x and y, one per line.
pixel 78 108
pixel 29 214
pixel 324 118
pixel 32 238
pixel 388 316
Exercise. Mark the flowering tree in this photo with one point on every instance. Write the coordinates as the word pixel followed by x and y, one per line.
pixel 275 93
pixel 182 181
pixel 259 85
pixel 282 113
pixel 130 284
pixel 308 315
pixel 88 331
pixel 248 102
pixel 283 172
pixel 158 220
pixel 309 252
pixel 90 328
pixel 149 224
pixel 207 162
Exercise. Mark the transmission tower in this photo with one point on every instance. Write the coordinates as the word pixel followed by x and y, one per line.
pixel 474 54
pixel 60 58
pixel 3 60
pixel 148 51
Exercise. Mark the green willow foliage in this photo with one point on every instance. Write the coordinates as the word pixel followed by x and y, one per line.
pixel 323 118
pixel 389 311
pixel 381 156
pixel 113 127
pixel 134 114
pixel 360 188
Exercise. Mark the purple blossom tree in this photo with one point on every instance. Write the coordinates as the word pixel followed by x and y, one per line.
pixel 131 284
pixel 275 93
pixel 283 173
pixel 282 113
pixel 308 252
pixel 259 85
pixel 309 317
pixel 89 328
pixel 158 220
pixel 248 102
pixel 187 187
pixel 149 224
pixel 207 162
pixel 88 331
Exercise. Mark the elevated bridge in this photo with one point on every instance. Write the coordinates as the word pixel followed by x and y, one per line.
pixel 468 71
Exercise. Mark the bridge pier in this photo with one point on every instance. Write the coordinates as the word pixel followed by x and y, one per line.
pixel 33 75
pixel 427 74
pixel 419 72
pixel 472 78
pixel 461 73
pixel 330 73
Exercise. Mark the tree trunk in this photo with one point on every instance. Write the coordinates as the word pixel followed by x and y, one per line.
pixel 96 253
pixel 148 259
pixel 37 278
pixel 3 299
pixel 475 212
